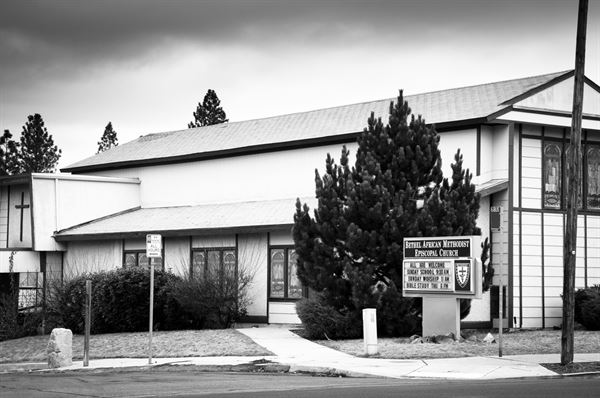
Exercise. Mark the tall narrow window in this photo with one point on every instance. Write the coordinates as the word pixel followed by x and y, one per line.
pixel 284 282
pixel 593 177
pixel 294 285
pixel 198 264
pixel 278 273
pixel 214 263
pixel 229 263
pixel 552 175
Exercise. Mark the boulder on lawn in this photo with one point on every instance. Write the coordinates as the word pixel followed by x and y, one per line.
pixel 489 339
pixel 60 348
pixel 445 338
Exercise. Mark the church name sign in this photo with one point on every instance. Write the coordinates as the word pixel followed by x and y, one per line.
pixel 439 266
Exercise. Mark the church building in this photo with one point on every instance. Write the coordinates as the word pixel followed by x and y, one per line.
pixel 223 196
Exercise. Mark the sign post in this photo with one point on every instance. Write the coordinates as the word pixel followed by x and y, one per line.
pixel 153 250
pixel 496 216
pixel 442 270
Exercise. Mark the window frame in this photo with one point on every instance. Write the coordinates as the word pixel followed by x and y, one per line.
pixel 137 252
pixel 286 268
pixel 205 250
pixel 588 147
pixel 561 176
pixel 563 144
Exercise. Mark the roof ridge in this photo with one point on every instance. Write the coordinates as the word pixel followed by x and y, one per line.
pixel 356 103
pixel 492 83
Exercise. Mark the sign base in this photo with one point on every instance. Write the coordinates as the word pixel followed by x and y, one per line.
pixel 441 315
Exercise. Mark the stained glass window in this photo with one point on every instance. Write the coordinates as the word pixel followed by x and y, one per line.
pixel 198 264
pixel 213 263
pixel 284 282
pixel 277 273
pixel 229 263
pixel 130 260
pixel 552 175
pixel 593 177
pixel 138 258
pixel 294 285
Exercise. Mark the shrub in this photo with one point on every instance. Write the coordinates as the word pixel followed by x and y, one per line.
pixel 321 320
pixel 587 307
pixel 212 301
pixel 14 323
pixel 120 302
pixel 397 315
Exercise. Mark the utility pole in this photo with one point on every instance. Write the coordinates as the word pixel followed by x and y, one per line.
pixel 573 188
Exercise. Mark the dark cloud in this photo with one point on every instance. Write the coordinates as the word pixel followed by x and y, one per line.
pixel 61 39
pixel 98 28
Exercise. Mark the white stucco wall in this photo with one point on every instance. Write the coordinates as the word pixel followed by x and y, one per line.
pixel 274 175
pixel 451 141
pixel 61 201
pixel 177 255
pixel 23 261
pixel 92 256
pixel 252 260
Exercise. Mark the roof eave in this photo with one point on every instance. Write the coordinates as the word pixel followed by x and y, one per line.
pixel 66 237
pixel 255 149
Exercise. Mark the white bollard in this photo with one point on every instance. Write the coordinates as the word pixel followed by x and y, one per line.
pixel 370 331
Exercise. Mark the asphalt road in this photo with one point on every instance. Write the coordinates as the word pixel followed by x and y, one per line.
pixel 186 383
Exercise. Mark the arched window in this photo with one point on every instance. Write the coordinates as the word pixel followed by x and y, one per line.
pixel 277 273
pixel 593 177
pixel 284 282
pixel 552 175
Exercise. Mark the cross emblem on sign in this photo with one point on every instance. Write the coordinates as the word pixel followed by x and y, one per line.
pixel 22 207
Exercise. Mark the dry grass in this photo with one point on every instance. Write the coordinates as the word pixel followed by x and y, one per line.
pixel 200 343
pixel 514 343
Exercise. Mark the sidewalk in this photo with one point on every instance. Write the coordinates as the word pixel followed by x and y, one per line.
pixel 295 354
pixel 304 355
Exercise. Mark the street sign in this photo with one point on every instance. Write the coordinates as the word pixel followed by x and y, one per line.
pixel 153 246
pixel 496 218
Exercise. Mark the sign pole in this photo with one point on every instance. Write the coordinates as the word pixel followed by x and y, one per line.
pixel 496 218
pixel 151 259
pixel 500 296
pixel 88 322
pixel 153 250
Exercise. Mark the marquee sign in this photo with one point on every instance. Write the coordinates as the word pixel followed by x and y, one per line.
pixel 443 266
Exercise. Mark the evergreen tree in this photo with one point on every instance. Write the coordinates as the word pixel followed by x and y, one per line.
pixel 37 152
pixel 209 112
pixel 352 251
pixel 109 139
pixel 8 153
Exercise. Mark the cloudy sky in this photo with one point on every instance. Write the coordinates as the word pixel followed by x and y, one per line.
pixel 144 65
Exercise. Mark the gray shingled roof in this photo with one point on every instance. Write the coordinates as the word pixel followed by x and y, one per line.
pixel 188 218
pixel 436 107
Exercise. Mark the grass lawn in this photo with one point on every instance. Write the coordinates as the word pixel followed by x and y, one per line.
pixel 514 343
pixel 201 343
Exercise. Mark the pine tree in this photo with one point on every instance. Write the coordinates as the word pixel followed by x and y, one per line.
pixel 209 112
pixel 8 153
pixel 320 242
pixel 352 251
pixel 109 139
pixel 37 152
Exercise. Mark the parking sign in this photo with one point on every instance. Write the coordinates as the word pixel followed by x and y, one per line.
pixel 153 246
